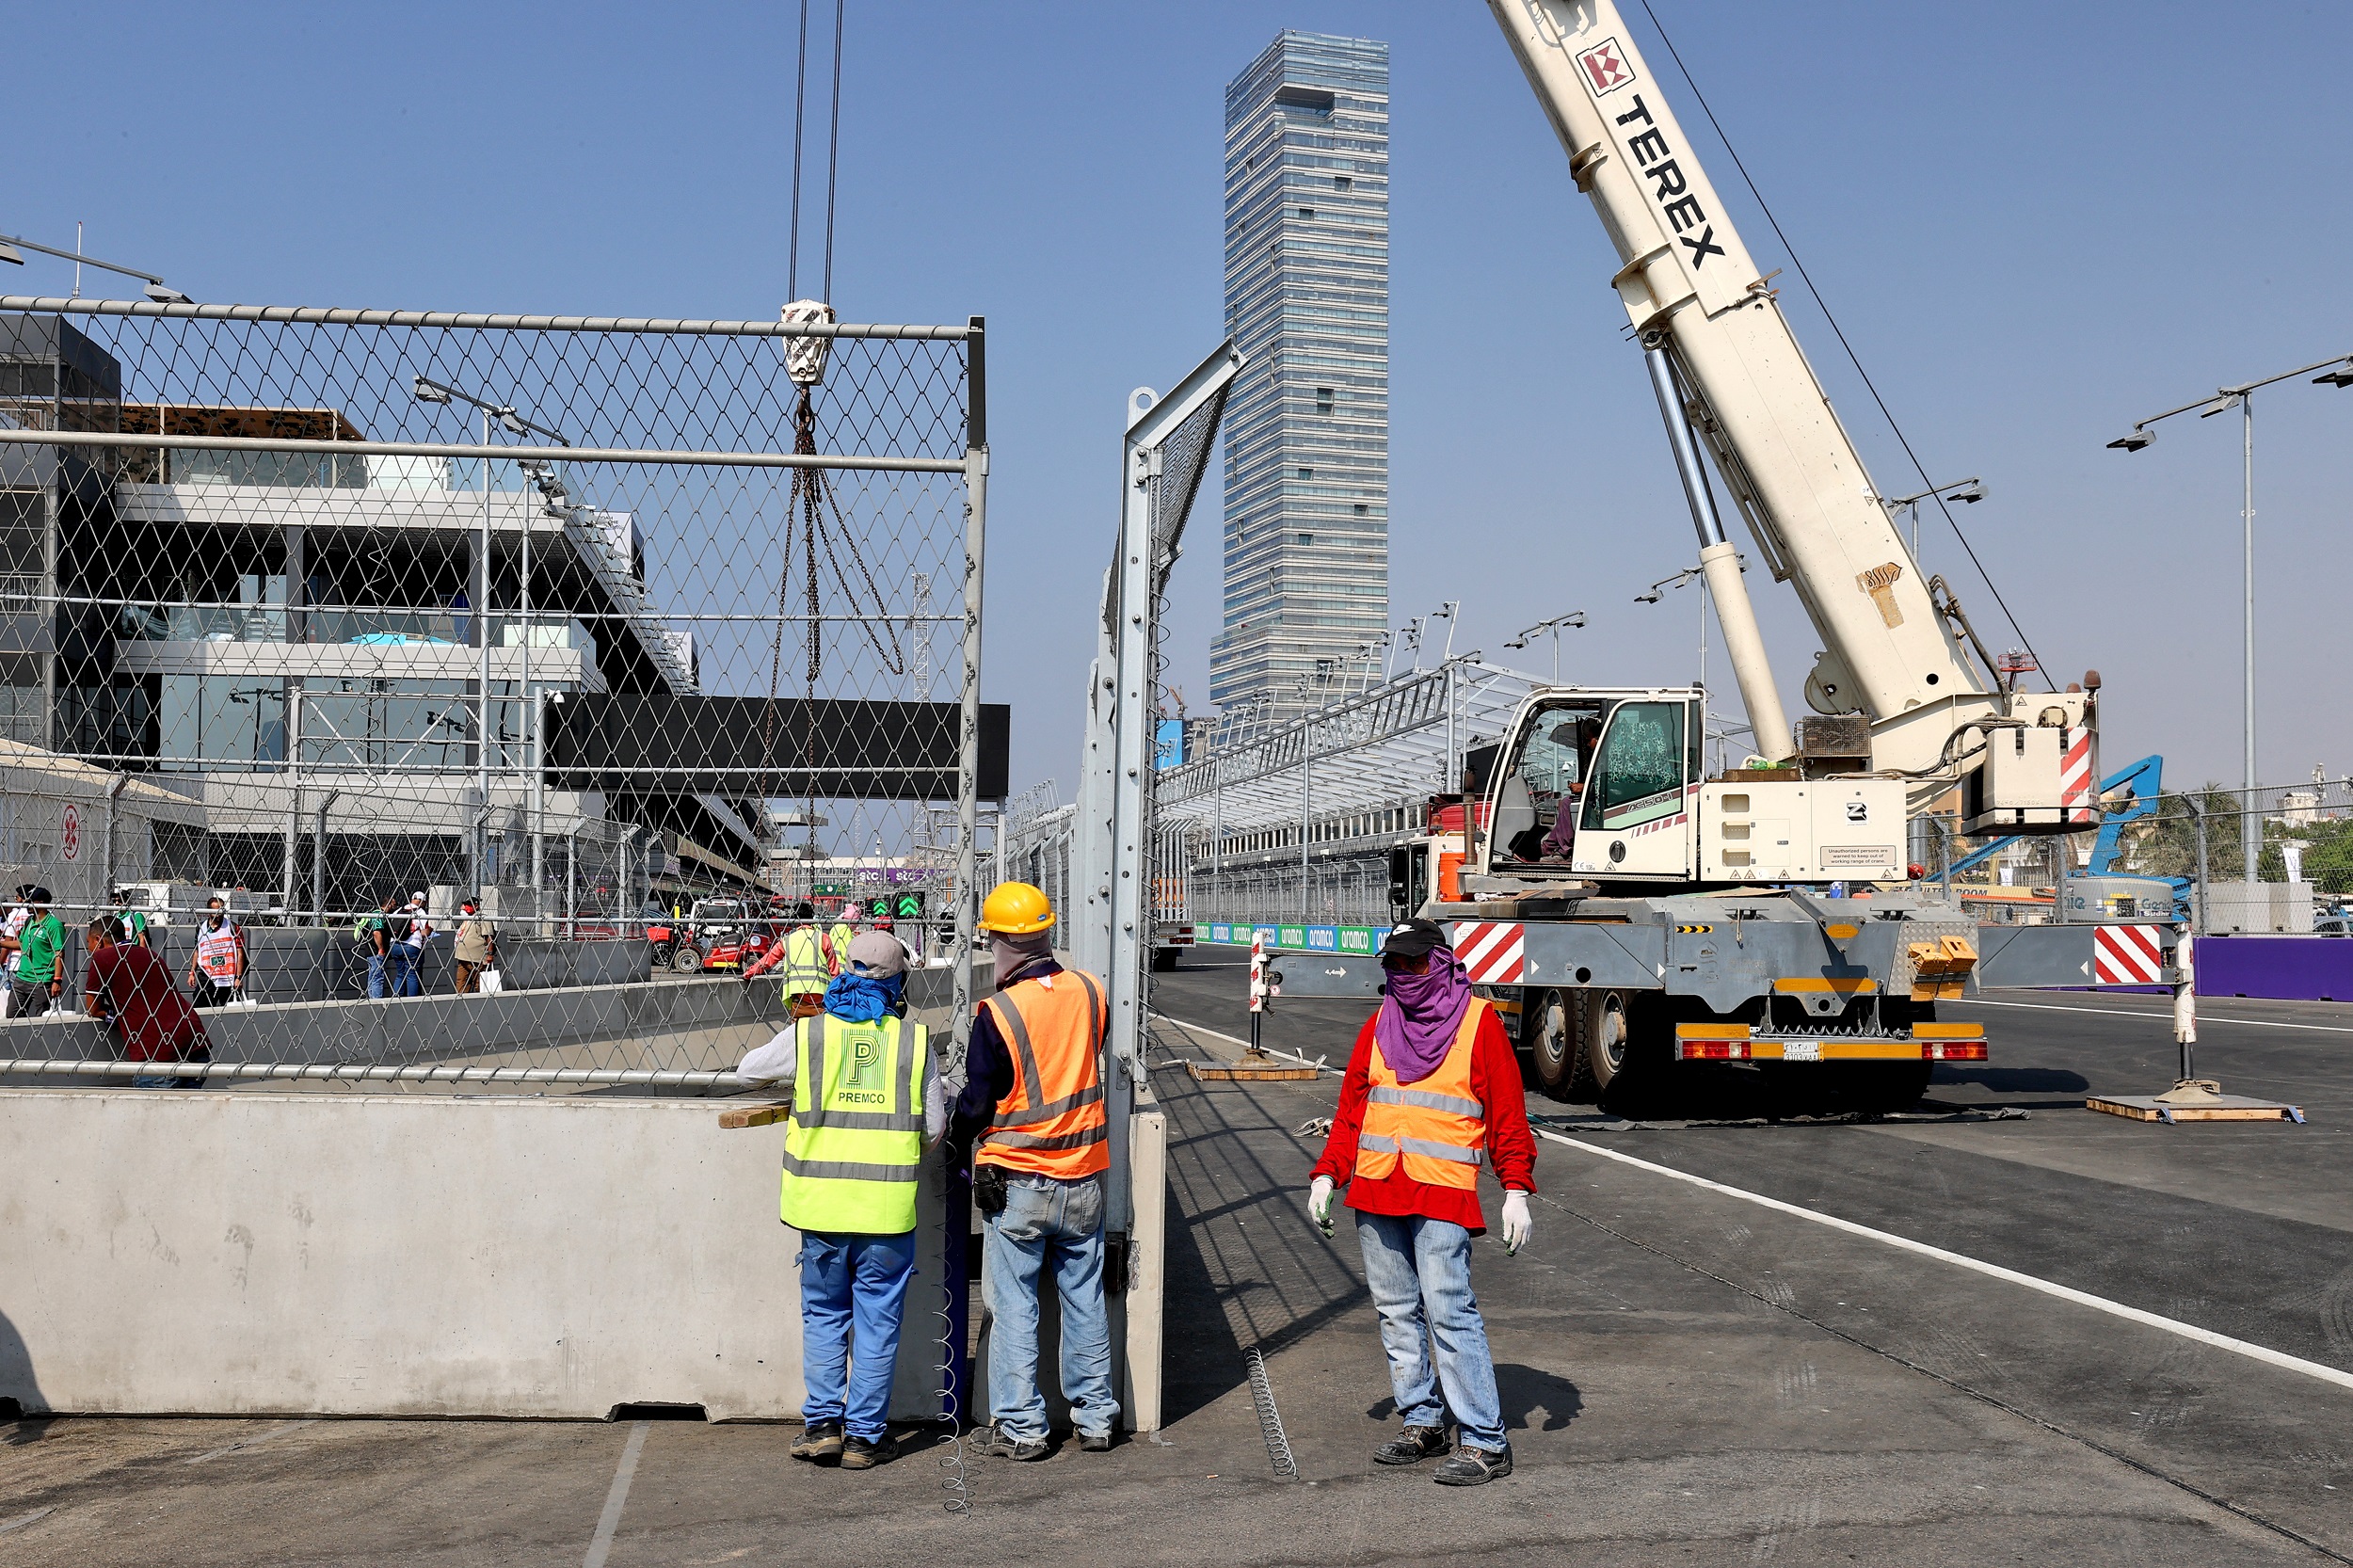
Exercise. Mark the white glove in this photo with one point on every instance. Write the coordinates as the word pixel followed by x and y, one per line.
pixel 1517 1226
pixel 1319 1204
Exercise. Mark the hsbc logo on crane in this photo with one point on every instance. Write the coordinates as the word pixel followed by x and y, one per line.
pixel 1605 68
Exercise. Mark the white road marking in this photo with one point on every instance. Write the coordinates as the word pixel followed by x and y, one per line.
pixel 23 1519
pixel 610 1520
pixel 2203 1016
pixel 2049 1288
pixel 1321 1063
pixel 254 1442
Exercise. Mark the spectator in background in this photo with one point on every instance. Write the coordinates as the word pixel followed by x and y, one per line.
pixel 217 967
pixel 11 928
pixel 477 948
pixel 131 924
pixel 417 932
pixel 129 985
pixel 38 950
pixel 375 941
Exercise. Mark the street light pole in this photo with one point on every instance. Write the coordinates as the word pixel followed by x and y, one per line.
pixel 2250 833
pixel 2337 372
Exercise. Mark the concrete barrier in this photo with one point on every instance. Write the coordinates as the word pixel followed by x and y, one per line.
pixel 307 963
pixel 690 1026
pixel 329 1254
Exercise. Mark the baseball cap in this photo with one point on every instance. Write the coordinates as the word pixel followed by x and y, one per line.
pixel 878 954
pixel 1412 938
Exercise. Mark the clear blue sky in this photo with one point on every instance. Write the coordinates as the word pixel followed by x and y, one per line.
pixel 2038 223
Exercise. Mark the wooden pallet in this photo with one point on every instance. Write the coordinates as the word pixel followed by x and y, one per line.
pixel 754 1115
pixel 1210 1072
pixel 2230 1108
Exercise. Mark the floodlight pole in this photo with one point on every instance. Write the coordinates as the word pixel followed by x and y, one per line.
pixel 2243 395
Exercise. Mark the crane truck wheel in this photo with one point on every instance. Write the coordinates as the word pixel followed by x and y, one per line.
pixel 688 959
pixel 1605 1041
pixel 1555 1044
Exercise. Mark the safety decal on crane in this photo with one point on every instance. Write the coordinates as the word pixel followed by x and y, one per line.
pixel 2126 955
pixel 2076 790
pixel 1494 953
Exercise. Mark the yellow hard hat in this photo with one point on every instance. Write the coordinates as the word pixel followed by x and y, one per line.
pixel 1015 909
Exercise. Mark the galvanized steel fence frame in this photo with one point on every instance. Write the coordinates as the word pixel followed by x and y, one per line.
pixel 271 389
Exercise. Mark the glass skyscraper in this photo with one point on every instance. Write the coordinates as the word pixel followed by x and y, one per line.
pixel 1307 428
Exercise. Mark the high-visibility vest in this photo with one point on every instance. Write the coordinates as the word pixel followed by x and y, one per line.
pixel 1053 1123
pixel 1435 1125
pixel 838 948
pixel 853 1146
pixel 806 972
pixel 216 953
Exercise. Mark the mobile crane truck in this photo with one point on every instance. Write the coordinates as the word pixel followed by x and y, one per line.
pixel 1643 913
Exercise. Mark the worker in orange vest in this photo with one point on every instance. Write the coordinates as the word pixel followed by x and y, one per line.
pixel 1432 1094
pixel 1032 1113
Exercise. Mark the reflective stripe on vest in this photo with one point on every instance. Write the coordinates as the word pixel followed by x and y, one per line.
pixel 805 969
pixel 854 1145
pixel 216 953
pixel 1436 1128
pixel 1054 1122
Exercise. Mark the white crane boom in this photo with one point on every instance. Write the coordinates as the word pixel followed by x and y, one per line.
pixel 1695 297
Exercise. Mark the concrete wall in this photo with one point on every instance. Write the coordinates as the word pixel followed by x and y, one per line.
pixel 267 1254
pixel 690 1026
pixel 305 964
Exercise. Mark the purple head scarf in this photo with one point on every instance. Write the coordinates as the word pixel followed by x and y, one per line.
pixel 1416 1025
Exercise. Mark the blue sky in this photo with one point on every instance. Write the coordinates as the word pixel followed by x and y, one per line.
pixel 2037 224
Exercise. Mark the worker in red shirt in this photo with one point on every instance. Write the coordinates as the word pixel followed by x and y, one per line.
pixel 1432 1092
pixel 127 984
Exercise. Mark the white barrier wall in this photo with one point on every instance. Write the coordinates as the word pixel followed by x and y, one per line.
pixel 246 1252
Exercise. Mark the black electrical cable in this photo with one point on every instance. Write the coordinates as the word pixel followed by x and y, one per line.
pixel 1853 358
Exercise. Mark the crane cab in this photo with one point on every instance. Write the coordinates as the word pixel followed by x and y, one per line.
pixel 1608 786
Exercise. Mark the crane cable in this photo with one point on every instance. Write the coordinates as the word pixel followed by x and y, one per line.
pixel 833 152
pixel 1852 357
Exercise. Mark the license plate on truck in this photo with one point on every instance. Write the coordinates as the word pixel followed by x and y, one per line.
pixel 1801 1051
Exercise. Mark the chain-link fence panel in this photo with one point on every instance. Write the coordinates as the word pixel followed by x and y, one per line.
pixel 514 684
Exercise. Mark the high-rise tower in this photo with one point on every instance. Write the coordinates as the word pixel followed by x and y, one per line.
pixel 1307 430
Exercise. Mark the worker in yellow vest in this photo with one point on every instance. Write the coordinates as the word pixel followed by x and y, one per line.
pixel 810 959
pixel 865 1096
pixel 1032 1111
pixel 1432 1096
pixel 838 940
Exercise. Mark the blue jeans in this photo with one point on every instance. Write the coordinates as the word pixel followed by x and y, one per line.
pixel 1419 1273
pixel 852 1285
pixel 1045 1221
pixel 400 972
pixel 377 963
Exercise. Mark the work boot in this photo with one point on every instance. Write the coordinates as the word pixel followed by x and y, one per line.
pixel 861 1453
pixel 820 1443
pixel 1028 1450
pixel 1471 1466
pixel 1094 1442
pixel 1411 1446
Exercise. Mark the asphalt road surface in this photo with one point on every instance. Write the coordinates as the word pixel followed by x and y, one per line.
pixel 1687 1376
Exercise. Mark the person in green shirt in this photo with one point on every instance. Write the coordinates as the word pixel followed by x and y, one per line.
pixel 40 970
pixel 131 924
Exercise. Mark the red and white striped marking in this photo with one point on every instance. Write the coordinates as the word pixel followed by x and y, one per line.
pixel 2076 793
pixel 1494 953
pixel 2126 955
